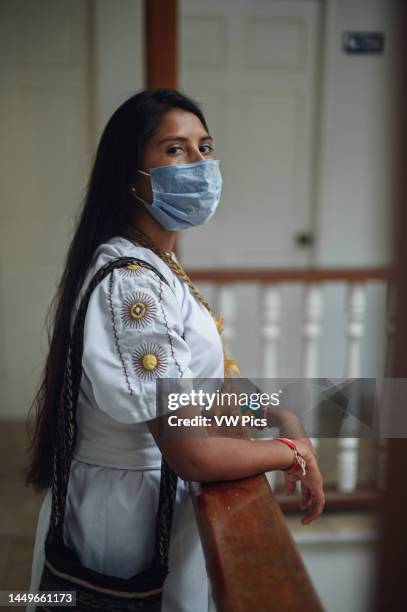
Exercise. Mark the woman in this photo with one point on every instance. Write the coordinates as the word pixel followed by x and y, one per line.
pixel 154 174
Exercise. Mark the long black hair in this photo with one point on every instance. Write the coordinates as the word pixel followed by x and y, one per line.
pixel 106 209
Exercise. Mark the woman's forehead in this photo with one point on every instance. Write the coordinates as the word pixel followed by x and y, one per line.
pixel 178 122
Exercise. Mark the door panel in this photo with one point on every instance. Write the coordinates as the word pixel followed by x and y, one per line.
pixel 253 67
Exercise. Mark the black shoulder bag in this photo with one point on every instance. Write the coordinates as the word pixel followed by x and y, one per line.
pixel 63 570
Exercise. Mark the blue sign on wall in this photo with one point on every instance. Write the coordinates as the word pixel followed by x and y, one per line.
pixel 363 43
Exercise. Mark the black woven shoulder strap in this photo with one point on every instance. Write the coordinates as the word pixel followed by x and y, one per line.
pixel 66 432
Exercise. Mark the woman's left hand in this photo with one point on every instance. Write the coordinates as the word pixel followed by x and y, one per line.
pixel 290 487
pixel 290 484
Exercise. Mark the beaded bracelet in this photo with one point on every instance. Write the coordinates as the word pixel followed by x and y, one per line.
pixel 299 462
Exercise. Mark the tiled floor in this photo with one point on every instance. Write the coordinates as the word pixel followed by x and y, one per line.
pixel 19 507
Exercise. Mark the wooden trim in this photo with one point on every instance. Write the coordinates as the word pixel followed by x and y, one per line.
pixel 306 275
pixel 391 593
pixel 252 560
pixel 160 43
pixel 360 499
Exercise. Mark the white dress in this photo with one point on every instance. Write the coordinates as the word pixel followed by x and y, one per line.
pixel 114 480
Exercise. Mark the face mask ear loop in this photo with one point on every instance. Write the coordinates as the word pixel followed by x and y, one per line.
pixel 135 195
pixel 133 190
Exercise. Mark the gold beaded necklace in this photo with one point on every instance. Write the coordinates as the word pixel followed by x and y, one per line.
pixel 138 237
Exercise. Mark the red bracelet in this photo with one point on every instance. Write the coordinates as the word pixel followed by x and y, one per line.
pixel 299 462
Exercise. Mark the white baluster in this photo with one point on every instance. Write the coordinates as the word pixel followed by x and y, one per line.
pixel 269 342
pixel 270 330
pixel 348 464
pixel 348 447
pixel 313 310
pixel 227 307
pixel 356 307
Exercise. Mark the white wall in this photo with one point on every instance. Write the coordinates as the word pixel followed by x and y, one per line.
pixel 353 217
pixel 118 60
pixel 343 573
pixel 65 67
pixel 45 158
pixel 354 203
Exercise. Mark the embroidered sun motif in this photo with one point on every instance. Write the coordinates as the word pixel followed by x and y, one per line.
pixel 138 310
pixel 150 361
pixel 132 269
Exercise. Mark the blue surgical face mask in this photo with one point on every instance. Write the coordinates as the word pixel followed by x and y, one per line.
pixel 184 195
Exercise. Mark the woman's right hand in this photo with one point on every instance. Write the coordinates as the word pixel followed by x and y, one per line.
pixel 312 493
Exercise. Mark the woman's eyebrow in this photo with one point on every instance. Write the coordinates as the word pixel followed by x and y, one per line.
pixel 183 139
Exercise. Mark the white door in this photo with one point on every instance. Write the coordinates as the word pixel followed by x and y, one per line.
pixel 45 156
pixel 253 65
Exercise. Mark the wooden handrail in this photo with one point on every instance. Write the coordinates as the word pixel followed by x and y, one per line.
pixel 365 499
pixel 252 560
pixel 306 275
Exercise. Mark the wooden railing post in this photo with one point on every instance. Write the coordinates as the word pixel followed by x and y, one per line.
pixel 252 560
pixel 160 43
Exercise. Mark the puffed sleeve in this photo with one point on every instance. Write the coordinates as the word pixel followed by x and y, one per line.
pixel 133 335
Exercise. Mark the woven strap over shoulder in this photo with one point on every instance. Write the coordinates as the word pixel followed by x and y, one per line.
pixel 66 431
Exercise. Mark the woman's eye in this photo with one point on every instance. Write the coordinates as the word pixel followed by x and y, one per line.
pixel 174 150
pixel 207 148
